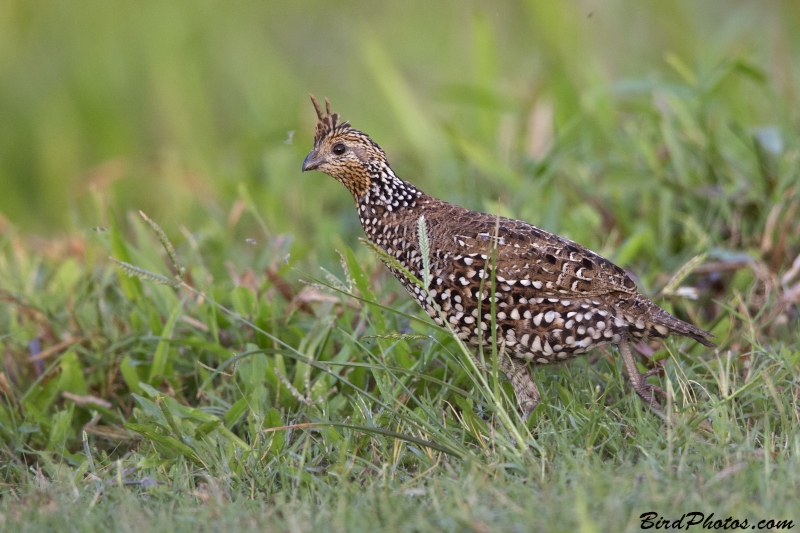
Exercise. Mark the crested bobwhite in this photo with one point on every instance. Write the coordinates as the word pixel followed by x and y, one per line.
pixel 554 299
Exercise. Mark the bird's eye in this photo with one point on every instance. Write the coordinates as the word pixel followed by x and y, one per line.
pixel 339 149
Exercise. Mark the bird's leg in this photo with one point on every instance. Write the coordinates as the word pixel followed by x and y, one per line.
pixel 638 380
pixel 524 387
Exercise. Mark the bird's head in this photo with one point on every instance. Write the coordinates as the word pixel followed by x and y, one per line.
pixel 344 153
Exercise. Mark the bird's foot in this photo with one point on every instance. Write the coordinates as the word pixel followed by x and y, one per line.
pixel 528 407
pixel 645 391
pixel 650 387
pixel 525 389
pixel 652 372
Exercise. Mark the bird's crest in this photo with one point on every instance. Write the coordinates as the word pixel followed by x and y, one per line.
pixel 328 122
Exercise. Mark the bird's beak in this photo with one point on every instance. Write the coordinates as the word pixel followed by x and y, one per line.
pixel 311 162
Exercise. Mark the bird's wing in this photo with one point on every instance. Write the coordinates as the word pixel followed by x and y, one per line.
pixel 530 256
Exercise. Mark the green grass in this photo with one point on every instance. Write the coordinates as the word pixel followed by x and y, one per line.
pixel 251 379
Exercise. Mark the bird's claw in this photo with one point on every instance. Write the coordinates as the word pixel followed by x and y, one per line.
pixel 652 372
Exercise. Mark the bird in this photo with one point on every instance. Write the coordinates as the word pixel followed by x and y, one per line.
pixel 554 299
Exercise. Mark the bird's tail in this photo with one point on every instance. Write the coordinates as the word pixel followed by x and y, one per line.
pixel 679 327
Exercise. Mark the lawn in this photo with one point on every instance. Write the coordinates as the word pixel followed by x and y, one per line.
pixel 193 337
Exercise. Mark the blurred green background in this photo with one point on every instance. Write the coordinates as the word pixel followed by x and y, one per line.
pixel 178 108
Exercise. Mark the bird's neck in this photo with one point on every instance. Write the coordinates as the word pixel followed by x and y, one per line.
pixel 387 191
pixel 386 194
